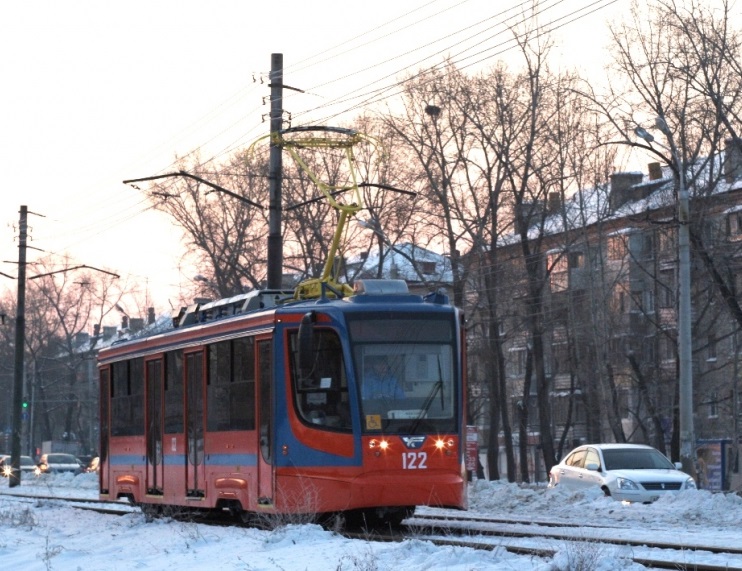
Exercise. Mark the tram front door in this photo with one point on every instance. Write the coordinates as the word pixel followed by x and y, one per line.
pixel 154 409
pixel 195 469
pixel 265 423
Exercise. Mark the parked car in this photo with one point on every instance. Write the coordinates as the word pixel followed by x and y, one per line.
pixel 58 462
pixel 28 466
pixel 626 472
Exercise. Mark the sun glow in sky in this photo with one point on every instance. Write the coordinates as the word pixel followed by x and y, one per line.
pixel 98 92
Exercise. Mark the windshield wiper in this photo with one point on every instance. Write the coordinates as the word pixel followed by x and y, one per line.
pixel 438 386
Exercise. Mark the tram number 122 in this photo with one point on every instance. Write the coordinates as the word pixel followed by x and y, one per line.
pixel 414 461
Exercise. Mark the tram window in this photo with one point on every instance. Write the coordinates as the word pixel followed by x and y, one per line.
pixel 218 386
pixel 174 392
pixel 231 385
pixel 322 399
pixel 242 388
pixel 127 398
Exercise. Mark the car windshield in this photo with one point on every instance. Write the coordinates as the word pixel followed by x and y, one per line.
pixel 62 459
pixel 25 460
pixel 635 459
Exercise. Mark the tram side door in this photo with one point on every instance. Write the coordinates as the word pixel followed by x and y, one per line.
pixel 154 412
pixel 105 430
pixel 265 422
pixel 195 470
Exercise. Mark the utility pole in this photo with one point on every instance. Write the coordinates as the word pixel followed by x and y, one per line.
pixel 275 241
pixel 20 336
pixel 685 341
pixel 685 344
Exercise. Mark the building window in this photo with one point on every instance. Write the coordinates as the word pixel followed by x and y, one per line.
pixel 558 275
pixel 560 357
pixel 647 349
pixel 667 349
pixel 619 300
pixel 616 248
pixel 713 405
pixel 636 305
pixel 648 245
pixel 711 347
pixel 576 260
pixel 734 224
pixel 426 268
pixel 666 287
pixel 518 361
pixel 666 241
pixel 648 301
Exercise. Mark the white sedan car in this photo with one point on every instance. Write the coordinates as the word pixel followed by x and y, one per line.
pixel 626 472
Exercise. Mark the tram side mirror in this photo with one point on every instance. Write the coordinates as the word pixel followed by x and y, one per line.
pixel 306 344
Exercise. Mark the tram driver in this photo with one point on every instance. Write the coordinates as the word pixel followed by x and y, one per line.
pixel 379 382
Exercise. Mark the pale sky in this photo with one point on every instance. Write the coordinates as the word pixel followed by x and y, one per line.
pixel 97 92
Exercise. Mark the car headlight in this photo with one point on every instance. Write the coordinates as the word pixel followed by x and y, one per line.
pixel 626 484
pixel 690 484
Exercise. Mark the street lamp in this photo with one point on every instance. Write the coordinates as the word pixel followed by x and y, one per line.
pixel 685 348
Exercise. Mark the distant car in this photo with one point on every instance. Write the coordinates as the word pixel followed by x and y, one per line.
pixel 626 472
pixel 57 462
pixel 28 466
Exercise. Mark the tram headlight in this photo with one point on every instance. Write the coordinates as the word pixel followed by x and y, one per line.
pixel 378 445
pixel 444 444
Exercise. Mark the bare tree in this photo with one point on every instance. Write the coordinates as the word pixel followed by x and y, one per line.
pixel 62 306
pixel 225 236
pixel 681 64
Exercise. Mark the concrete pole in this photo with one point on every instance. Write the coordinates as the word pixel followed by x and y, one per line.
pixel 685 343
pixel 20 336
pixel 275 239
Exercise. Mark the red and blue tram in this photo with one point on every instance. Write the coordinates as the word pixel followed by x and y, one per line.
pixel 258 405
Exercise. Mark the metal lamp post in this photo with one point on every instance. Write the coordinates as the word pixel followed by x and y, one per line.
pixel 685 347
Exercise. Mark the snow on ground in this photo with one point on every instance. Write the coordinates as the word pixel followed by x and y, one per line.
pixel 47 536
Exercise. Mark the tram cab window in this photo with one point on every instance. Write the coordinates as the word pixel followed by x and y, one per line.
pixel 405 368
pixel 321 397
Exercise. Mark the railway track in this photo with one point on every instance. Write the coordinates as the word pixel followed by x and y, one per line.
pixel 540 539
pixel 92 504
pixel 545 538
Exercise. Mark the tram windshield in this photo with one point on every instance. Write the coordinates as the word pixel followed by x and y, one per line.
pixel 405 368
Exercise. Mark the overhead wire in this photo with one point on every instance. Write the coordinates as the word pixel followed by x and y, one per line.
pixel 380 93
pixel 355 45
pixel 418 48
pixel 304 64
pixel 236 143
pixel 375 92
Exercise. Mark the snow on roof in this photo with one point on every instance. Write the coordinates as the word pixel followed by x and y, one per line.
pixel 403 261
pixel 592 205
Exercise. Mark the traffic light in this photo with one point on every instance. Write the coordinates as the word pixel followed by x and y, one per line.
pixel 25 403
